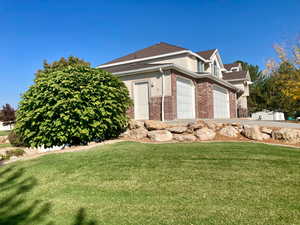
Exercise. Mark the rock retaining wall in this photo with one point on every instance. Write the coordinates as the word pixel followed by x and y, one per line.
pixel 207 130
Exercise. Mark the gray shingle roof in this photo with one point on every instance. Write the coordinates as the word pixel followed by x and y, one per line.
pixel 206 54
pixel 154 50
pixel 230 65
pixel 235 75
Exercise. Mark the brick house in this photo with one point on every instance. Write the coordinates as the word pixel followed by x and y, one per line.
pixel 168 82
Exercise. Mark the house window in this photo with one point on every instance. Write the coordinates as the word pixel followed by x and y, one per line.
pixel 215 69
pixel 200 66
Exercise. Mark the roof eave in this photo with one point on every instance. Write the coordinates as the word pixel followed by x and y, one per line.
pixel 179 69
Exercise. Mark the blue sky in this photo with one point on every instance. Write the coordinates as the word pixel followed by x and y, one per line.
pixel 98 31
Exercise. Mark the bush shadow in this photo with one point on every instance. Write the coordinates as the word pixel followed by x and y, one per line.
pixel 15 209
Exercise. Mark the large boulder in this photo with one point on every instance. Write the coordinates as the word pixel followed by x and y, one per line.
pixel 266 136
pixel 155 125
pixel 184 137
pixel 138 133
pixel 196 125
pixel 211 124
pixel 160 135
pixel 178 130
pixel 134 124
pixel 252 132
pixel 205 134
pixel 4 140
pixel 229 131
pixel 287 134
pixel 266 130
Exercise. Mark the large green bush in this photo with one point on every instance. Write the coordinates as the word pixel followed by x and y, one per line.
pixel 72 104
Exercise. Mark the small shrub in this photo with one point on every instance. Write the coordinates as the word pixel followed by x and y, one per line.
pixel 15 152
pixel 15 139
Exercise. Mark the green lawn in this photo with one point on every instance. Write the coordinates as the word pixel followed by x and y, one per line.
pixel 4 132
pixel 5 145
pixel 135 184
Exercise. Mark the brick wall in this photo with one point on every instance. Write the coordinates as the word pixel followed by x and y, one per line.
pixel 205 107
pixel 232 104
pixel 155 108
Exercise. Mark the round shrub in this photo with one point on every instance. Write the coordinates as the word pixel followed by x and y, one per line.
pixel 71 105
pixel 15 140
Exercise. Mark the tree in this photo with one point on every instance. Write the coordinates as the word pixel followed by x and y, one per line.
pixel 254 71
pixel 70 104
pixel 257 97
pixel 288 70
pixel 7 114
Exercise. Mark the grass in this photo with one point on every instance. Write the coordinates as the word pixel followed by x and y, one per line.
pixel 135 184
pixel 4 132
pixel 5 145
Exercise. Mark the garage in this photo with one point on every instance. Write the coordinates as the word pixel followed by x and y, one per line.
pixel 221 102
pixel 185 98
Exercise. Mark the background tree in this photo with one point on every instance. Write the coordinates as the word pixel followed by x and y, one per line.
pixel 254 71
pixel 7 114
pixel 72 103
pixel 278 87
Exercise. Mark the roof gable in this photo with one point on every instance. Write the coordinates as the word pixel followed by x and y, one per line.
pixel 154 50
pixel 206 54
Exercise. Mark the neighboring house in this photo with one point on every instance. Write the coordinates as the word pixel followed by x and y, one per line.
pixel 235 75
pixel 168 82
pixel 5 127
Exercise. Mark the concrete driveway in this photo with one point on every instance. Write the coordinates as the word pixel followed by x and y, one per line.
pixel 266 123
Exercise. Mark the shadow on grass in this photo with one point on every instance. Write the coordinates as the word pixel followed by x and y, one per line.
pixel 16 210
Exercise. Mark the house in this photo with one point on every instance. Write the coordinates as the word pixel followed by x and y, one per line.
pixel 235 75
pixel 168 82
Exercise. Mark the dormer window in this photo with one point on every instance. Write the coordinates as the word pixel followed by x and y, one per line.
pixel 200 66
pixel 215 69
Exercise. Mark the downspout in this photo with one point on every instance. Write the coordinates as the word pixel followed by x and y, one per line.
pixel 162 94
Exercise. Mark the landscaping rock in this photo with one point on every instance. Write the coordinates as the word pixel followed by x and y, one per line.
pixel 252 132
pixel 160 135
pixel 287 134
pixel 196 125
pixel 211 125
pixel 229 131
pixel 266 130
pixel 205 134
pixel 155 125
pixel 184 137
pixel 177 130
pixel 4 140
pixel 266 136
pixel 134 124
pixel 139 133
pixel 126 134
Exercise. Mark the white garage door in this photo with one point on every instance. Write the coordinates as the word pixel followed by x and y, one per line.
pixel 185 99
pixel 221 102
pixel 141 101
